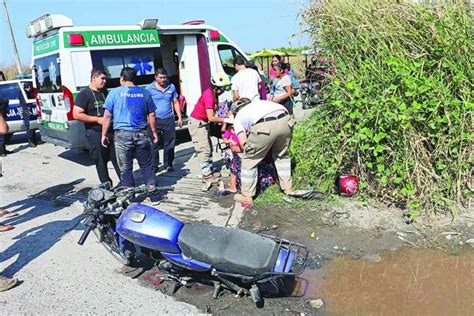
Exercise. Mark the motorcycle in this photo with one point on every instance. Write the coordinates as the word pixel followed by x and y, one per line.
pixel 244 263
pixel 318 73
pixel 309 95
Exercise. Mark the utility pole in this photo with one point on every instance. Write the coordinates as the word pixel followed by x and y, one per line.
pixel 15 49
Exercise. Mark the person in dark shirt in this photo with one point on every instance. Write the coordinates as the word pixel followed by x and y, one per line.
pixel 88 108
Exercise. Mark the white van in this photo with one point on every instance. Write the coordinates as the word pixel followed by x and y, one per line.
pixel 63 56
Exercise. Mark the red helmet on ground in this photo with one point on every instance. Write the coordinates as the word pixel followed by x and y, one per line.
pixel 347 184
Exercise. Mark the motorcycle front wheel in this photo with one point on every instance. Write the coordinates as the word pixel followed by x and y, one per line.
pixel 106 237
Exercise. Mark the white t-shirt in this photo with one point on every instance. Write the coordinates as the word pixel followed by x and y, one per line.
pixel 253 112
pixel 281 84
pixel 246 82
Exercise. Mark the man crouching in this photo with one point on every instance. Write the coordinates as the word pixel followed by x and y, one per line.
pixel 262 126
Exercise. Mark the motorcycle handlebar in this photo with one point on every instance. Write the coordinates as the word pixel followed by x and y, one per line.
pixel 86 233
pixel 117 203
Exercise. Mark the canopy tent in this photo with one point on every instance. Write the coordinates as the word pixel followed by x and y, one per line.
pixel 268 53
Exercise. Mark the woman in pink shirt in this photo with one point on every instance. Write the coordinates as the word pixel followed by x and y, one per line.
pixel 276 59
pixel 198 125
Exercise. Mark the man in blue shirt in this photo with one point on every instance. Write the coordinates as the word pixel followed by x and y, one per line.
pixel 165 98
pixel 131 108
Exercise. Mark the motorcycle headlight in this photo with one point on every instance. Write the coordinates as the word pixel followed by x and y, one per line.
pixel 96 195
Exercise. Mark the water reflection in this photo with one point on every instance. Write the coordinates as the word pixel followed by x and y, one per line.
pixel 409 282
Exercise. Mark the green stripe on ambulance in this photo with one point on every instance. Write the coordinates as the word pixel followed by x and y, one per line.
pixel 115 38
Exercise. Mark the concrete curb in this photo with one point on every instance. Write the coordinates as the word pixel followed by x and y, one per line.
pixel 235 216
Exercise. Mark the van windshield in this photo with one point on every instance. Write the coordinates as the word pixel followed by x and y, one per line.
pixel 48 74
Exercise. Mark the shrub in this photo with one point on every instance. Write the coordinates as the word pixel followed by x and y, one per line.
pixel 400 111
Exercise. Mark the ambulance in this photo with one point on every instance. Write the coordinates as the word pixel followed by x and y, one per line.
pixel 63 56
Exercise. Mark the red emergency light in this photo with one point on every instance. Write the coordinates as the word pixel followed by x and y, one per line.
pixel 76 40
pixel 215 35
pixel 194 22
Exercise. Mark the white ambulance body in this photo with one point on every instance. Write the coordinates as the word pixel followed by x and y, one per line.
pixel 63 56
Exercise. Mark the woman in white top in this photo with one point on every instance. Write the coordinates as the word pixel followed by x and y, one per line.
pixel 281 89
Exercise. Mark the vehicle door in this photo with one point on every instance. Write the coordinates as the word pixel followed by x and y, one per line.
pixel 13 114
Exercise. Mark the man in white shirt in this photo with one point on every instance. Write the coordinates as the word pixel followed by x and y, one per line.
pixel 245 82
pixel 262 126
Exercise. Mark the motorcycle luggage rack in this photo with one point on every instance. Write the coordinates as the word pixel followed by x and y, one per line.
pixel 301 252
pixel 297 268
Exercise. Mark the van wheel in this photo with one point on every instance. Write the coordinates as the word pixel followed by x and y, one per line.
pixel 7 138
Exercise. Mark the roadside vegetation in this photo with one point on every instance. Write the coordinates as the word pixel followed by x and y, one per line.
pixel 399 112
pixel 10 71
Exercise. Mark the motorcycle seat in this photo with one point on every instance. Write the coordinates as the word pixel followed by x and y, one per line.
pixel 229 249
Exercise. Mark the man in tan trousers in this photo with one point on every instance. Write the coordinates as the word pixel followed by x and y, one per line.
pixel 262 126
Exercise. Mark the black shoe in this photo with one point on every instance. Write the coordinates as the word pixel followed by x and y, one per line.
pixel 4 152
pixel 155 197
pixel 32 144
pixel 169 169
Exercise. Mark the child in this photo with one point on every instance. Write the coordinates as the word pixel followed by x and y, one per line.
pixel 266 168
pixel 232 158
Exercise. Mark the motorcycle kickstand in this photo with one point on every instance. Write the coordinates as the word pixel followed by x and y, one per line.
pixel 217 290
pixel 228 284
pixel 218 287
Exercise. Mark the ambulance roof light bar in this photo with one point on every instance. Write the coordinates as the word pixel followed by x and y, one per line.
pixel 47 22
pixel 149 24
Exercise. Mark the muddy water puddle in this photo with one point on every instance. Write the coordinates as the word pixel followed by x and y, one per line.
pixel 405 282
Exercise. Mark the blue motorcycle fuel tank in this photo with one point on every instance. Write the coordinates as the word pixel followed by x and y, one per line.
pixel 149 227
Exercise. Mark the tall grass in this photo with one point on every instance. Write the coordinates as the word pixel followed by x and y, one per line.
pixel 400 111
pixel 10 71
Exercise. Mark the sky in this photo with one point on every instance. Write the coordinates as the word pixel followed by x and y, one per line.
pixel 252 24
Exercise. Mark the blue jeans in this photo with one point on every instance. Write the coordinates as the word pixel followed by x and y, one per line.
pixel 129 145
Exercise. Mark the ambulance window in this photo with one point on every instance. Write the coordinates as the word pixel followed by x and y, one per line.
pixel 144 61
pixel 227 54
pixel 10 91
pixel 48 74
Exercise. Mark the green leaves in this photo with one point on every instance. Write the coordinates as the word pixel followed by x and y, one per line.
pixel 380 136
pixel 400 112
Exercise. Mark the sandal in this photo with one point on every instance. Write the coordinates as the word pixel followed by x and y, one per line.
pixel 229 191
pixel 224 192
pixel 4 228
pixel 7 214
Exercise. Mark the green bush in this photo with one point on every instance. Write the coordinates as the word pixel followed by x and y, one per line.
pixel 399 112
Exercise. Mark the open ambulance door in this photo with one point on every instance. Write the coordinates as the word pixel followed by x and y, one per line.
pixel 194 68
